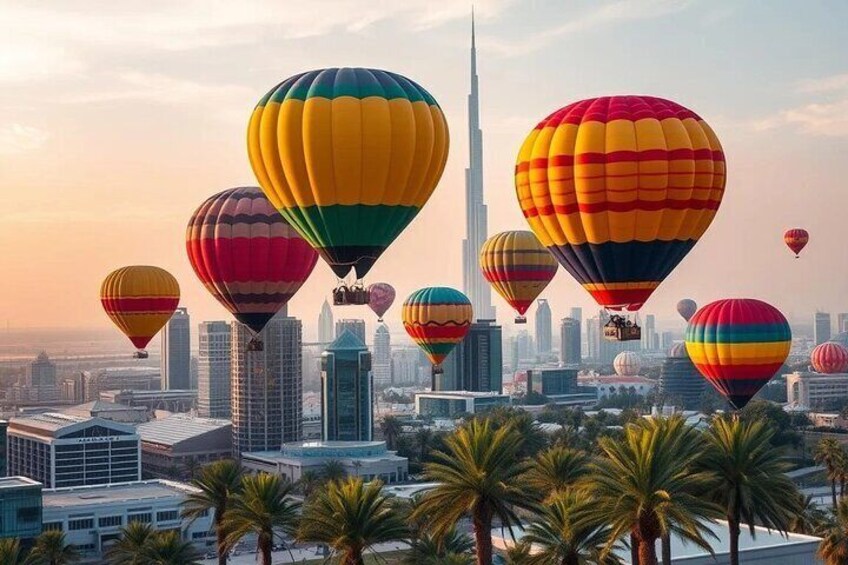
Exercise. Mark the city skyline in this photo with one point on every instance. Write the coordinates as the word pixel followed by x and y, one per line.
pixel 789 114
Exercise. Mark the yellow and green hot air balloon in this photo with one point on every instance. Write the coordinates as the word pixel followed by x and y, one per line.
pixel 349 157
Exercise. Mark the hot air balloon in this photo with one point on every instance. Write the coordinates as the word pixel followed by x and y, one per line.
pixel 349 157
pixel 687 308
pixel 518 268
pixel 738 344
pixel 620 189
pixel 627 364
pixel 381 296
pixel 437 319
pixel 796 239
pixel 829 358
pixel 140 300
pixel 247 256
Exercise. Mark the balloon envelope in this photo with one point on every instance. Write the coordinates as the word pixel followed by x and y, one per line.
pixel 140 299
pixel 687 308
pixel 517 266
pixel 627 364
pixel 829 358
pixel 437 319
pixel 349 157
pixel 381 296
pixel 738 345
pixel 620 189
pixel 246 255
pixel 796 239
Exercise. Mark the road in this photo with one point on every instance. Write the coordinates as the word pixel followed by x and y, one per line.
pixel 248 555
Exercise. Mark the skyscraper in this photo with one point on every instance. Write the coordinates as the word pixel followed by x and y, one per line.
pixel 476 214
pixel 821 328
pixel 382 364
pixel 576 313
pixel 39 384
pixel 176 351
pixel 325 324
pixel 267 388
pixel 650 339
pixel 476 364
pixel 346 390
pixel 356 327
pixel 543 327
pixel 842 322
pixel 213 370
pixel 570 341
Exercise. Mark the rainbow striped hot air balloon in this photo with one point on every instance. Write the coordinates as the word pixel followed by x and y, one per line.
pixel 738 345
pixel 246 255
pixel 437 319
pixel 620 189
pixel 349 157
pixel 140 300
pixel 518 268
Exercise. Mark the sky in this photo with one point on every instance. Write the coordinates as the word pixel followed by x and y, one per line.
pixel 118 118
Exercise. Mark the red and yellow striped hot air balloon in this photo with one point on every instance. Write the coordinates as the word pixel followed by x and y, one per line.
pixel 619 189
pixel 738 345
pixel 247 255
pixel 437 319
pixel 518 268
pixel 140 300
pixel 796 239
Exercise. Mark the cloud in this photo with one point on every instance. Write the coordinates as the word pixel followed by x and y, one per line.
pixel 16 139
pixel 604 14
pixel 827 117
pixel 835 83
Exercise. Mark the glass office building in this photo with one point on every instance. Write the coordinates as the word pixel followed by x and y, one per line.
pixel 346 390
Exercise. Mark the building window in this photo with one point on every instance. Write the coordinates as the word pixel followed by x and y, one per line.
pixel 29 514
pixel 52 526
pixel 199 535
pixel 167 516
pixel 107 521
pixel 145 518
pixel 81 524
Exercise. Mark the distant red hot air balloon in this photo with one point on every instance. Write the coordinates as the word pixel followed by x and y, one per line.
pixel 381 296
pixel 829 358
pixel 796 239
pixel 687 308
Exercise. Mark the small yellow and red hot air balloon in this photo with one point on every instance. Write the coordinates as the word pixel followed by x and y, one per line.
pixel 796 239
pixel 518 268
pixel 140 300
pixel 437 319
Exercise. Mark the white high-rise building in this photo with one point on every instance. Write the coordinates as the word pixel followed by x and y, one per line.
pixel 821 329
pixel 381 365
pixel 476 289
pixel 543 327
pixel 213 370
pixel 176 352
pixel 325 324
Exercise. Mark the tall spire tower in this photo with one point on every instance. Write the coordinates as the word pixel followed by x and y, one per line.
pixel 476 214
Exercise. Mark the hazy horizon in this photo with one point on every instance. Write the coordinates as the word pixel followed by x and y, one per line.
pixel 116 121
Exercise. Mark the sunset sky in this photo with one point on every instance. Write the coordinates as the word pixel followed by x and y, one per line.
pixel 118 118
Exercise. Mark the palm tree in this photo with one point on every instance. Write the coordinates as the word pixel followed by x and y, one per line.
pixel 351 517
pixel 391 428
pixel 555 470
pixel 11 552
pixel 479 476
pixel 263 507
pixel 192 466
pixel 834 547
pixel 308 482
pixel 218 483
pixel 829 453
pixel 565 533
pixel 427 548
pixel 128 549
pixel 645 486
pixel 750 481
pixel 333 470
pixel 50 549
pixel 167 548
pixel 519 553
pixel 809 519
pixel 423 439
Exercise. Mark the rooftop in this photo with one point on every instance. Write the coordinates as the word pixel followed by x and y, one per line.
pixel 126 493
pixel 55 422
pixel 17 482
pixel 177 428
pixel 314 450
pixel 460 394
pixel 96 406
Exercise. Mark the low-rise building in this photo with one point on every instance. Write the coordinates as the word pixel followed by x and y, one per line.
pixel 63 450
pixel 171 446
pixel 20 508
pixel 92 383
pixel 609 385
pixel 170 400
pixel 92 516
pixel 815 390
pixel 368 459
pixel 446 404
pixel 110 411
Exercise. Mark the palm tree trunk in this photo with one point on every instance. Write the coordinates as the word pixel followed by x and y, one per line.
pixel 220 545
pixel 666 549
pixel 833 492
pixel 264 544
pixel 634 548
pixel 482 521
pixel 733 525
pixel 571 559
pixel 648 552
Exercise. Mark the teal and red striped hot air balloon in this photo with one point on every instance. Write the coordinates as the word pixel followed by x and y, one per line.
pixel 738 345
pixel 437 319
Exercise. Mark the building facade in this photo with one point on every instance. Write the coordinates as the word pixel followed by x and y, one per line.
pixel 476 364
pixel 543 328
pixel 62 450
pixel 170 400
pixel 450 404
pixel 650 338
pixel 570 342
pixel 176 351
pixel 213 370
pixel 382 360
pixel 347 393
pixel 552 382
pixel 821 327
pixel 20 508
pixel 39 384
pixel 680 382
pixel 267 386
pixel 120 379
pixel 815 391
pixel 602 350
pixel 325 324
pixel 354 326
pixel 173 447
